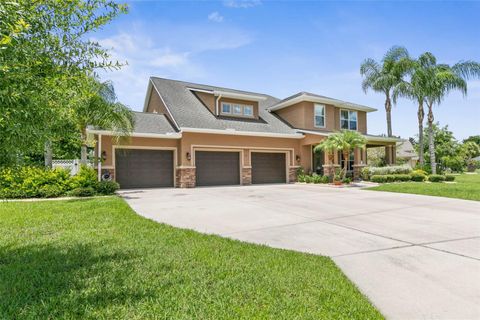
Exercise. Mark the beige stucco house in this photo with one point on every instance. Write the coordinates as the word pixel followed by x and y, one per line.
pixel 199 135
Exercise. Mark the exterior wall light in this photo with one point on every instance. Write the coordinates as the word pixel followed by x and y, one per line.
pixel 189 156
pixel 104 155
pixel 297 157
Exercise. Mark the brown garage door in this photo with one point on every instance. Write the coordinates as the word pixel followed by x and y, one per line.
pixel 268 167
pixel 217 168
pixel 135 168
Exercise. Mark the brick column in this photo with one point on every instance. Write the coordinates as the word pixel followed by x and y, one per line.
pixel 185 177
pixel 246 175
pixel 357 171
pixel 292 174
pixel 329 170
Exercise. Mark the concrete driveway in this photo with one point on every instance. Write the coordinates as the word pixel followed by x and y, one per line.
pixel 415 257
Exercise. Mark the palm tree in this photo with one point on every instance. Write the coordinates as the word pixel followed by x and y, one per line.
pixel 429 84
pixel 101 109
pixel 345 141
pixel 329 148
pixel 385 75
pixel 415 90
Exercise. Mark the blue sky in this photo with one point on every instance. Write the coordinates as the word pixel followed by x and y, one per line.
pixel 281 48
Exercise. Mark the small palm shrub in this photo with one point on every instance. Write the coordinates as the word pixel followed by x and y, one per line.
pixel 449 177
pixel 347 180
pixel 308 179
pixel 436 178
pixel 316 178
pixel 301 178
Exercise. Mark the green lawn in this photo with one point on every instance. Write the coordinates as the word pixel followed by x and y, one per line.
pixel 96 259
pixel 467 187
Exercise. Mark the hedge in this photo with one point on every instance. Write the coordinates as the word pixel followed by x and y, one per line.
pixel 368 172
pixel 436 178
pixel 37 182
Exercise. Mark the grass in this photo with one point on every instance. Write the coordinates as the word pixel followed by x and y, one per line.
pixel 96 259
pixel 467 187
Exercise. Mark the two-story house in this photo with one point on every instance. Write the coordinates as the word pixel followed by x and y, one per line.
pixel 199 135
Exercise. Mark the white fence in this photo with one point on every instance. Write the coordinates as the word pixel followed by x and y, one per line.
pixel 72 165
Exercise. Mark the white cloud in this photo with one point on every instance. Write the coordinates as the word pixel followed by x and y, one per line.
pixel 164 51
pixel 215 17
pixel 170 59
pixel 242 3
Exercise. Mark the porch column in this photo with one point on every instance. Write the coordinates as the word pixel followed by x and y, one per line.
pixel 359 162
pixel 99 160
pixel 329 168
pixel 389 154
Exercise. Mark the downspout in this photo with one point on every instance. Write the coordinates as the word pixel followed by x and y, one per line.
pixel 99 160
pixel 217 110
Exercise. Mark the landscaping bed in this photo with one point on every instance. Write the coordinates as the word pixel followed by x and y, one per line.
pixel 95 258
pixel 467 187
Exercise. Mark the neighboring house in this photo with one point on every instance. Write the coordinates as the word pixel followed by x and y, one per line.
pixel 407 153
pixel 199 135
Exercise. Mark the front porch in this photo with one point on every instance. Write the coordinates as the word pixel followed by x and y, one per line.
pixel 324 163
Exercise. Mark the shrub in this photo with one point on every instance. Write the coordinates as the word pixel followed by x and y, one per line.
pixel 436 178
pixel 30 182
pixel 107 187
pixel 316 178
pixel 50 191
pixel 325 179
pixel 368 172
pixel 402 177
pixel 347 180
pixel 365 173
pixel 301 178
pixel 85 178
pixel 418 176
pixel 308 179
pixel 82 192
pixel 390 178
pixel 379 178
pixel 449 177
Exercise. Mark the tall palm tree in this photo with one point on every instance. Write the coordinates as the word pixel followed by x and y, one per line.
pixel 383 76
pixel 345 141
pixel 414 89
pixel 429 84
pixel 101 109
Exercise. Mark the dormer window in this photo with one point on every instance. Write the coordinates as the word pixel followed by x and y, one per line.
pixel 319 116
pixel 226 108
pixel 235 109
pixel 348 119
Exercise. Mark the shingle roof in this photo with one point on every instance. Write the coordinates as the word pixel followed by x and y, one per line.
pixel 307 95
pixel 189 112
pixel 152 123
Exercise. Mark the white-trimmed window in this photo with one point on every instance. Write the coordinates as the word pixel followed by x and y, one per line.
pixel 348 119
pixel 236 109
pixel 319 119
pixel 226 108
pixel 248 111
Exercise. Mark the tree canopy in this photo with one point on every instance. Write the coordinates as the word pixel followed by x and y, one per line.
pixel 45 55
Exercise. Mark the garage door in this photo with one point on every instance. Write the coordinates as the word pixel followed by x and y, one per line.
pixel 217 168
pixel 268 167
pixel 136 168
